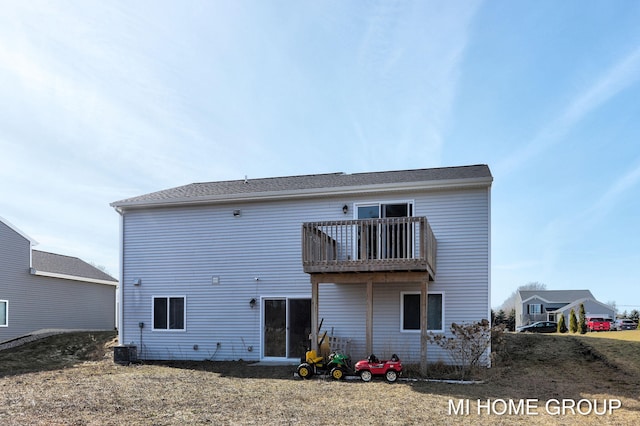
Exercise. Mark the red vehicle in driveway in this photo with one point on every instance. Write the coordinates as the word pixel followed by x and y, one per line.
pixel 598 324
pixel 367 368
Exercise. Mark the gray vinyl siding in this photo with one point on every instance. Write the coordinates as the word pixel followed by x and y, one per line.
pixel 37 302
pixel 175 251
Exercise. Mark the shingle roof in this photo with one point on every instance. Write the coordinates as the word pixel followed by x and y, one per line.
pixel 331 181
pixel 67 265
pixel 564 296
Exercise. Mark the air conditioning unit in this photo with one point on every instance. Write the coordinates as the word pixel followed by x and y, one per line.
pixel 125 354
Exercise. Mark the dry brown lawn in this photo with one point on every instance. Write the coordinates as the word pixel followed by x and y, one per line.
pixel 72 380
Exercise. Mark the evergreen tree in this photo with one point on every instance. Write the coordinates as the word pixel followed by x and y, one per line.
pixel 634 315
pixel 511 320
pixel 562 326
pixel 500 318
pixel 582 323
pixel 573 321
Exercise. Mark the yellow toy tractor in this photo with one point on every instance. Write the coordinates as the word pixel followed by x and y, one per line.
pixel 336 364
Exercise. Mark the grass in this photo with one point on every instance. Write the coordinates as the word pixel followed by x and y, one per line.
pixel 71 379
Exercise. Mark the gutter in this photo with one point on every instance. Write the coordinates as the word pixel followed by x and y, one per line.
pixel 36 272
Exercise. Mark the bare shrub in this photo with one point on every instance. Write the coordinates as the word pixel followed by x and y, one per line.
pixel 466 347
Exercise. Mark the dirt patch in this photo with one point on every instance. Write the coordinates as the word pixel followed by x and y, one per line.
pixel 70 383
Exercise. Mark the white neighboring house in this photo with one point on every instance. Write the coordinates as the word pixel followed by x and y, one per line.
pixel 548 305
pixel 41 290
pixel 249 269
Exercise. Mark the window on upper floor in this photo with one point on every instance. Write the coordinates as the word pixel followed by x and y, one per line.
pixel 385 241
pixel 535 308
pixel 169 313
pixel 410 311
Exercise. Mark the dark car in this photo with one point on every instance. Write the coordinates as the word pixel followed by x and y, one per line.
pixel 540 327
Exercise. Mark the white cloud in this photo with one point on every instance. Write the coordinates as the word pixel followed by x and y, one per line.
pixel 614 80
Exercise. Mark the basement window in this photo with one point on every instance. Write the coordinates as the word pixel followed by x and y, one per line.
pixel 169 313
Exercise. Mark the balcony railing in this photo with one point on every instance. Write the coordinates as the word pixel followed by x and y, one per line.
pixel 369 245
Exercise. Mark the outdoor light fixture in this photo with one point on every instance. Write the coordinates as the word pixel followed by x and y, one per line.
pixel 252 303
pixel 137 281
pixel 345 209
pixel 236 213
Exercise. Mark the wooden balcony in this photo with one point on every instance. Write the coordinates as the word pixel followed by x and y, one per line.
pixel 369 245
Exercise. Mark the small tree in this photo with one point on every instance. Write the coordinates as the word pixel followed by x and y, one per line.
pixel 634 315
pixel 511 320
pixel 562 325
pixel 573 321
pixel 582 323
pixel 467 345
pixel 499 317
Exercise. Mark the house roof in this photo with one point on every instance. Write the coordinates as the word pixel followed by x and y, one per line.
pixel 557 296
pixel 57 265
pixel 577 303
pixel 314 185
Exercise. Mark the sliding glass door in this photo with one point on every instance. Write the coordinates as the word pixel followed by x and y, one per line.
pixel 286 327
pixel 385 239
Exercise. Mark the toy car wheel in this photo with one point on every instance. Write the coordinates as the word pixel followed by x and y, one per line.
pixel 305 371
pixel 391 375
pixel 366 375
pixel 337 373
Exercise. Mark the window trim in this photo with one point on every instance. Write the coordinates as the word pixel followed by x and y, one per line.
pixel 442 315
pixel 379 204
pixel 539 305
pixel 6 313
pixel 184 314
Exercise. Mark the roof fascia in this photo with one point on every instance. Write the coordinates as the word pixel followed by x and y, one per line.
pixel 535 296
pixel 483 182
pixel 72 277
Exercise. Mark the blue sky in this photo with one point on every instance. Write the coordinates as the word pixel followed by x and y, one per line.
pixel 100 101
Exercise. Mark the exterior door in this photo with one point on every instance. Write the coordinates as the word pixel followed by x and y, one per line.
pixel 287 325
pixel 394 241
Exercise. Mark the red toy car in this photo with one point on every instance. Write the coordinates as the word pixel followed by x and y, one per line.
pixel 367 368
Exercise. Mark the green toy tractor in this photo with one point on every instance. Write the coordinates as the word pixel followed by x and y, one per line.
pixel 336 364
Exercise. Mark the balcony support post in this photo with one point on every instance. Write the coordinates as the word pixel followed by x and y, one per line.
pixel 369 319
pixel 424 337
pixel 314 314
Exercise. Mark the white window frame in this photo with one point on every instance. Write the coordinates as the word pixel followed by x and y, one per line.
pixel 5 323
pixel 153 313
pixel 539 310
pixel 379 204
pixel 442 317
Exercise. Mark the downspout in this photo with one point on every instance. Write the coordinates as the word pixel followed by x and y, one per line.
pixel 121 292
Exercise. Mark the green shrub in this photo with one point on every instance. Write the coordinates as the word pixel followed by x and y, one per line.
pixel 562 325
pixel 582 323
pixel 573 322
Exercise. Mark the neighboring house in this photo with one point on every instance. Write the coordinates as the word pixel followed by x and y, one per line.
pixel 249 269
pixel 40 290
pixel 547 305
